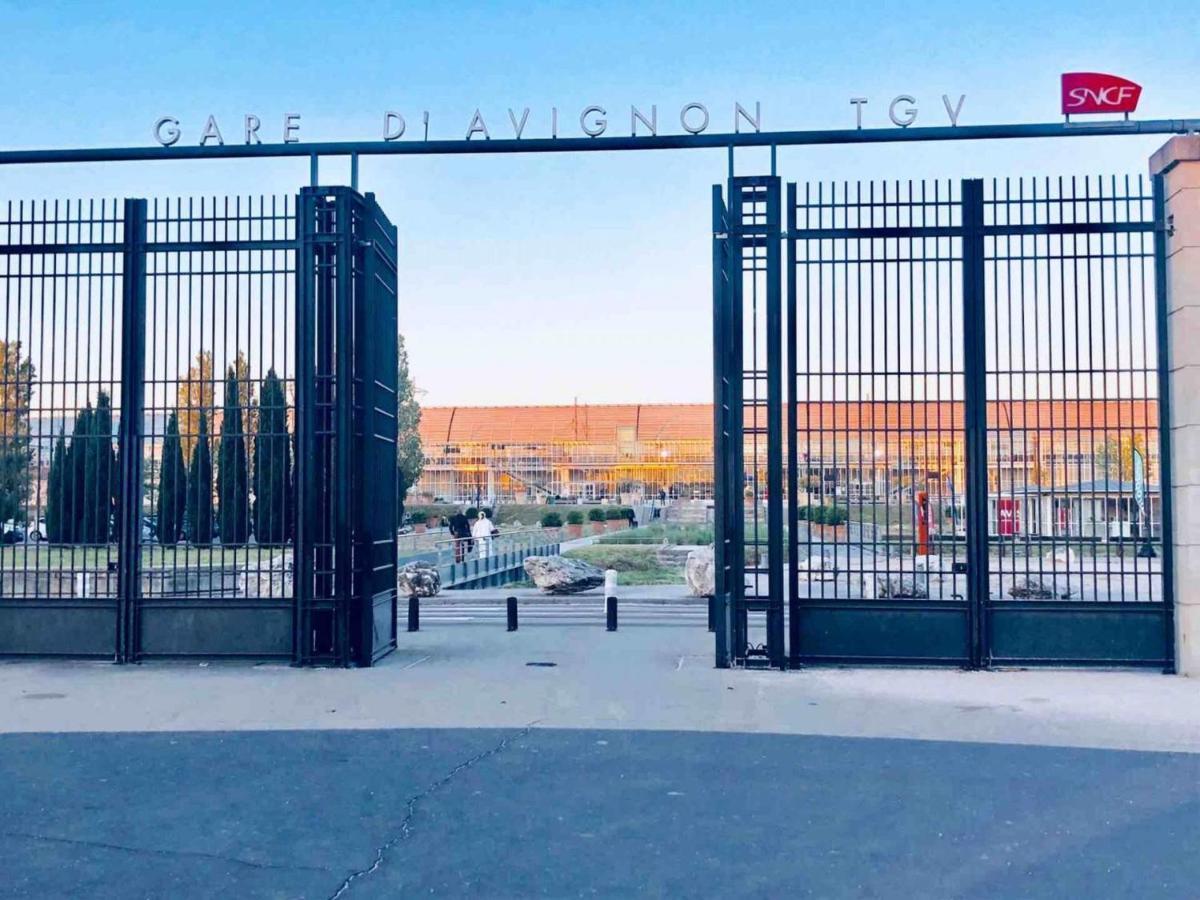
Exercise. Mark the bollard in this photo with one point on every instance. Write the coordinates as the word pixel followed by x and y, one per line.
pixel 712 612
pixel 414 613
pixel 512 613
pixel 610 599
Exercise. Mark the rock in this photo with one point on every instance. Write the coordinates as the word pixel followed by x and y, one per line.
pixel 818 567
pixel 418 579
pixel 1062 555
pixel 700 572
pixel 562 574
pixel 899 587
pixel 1036 589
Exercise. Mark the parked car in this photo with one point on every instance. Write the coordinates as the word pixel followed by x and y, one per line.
pixel 12 533
pixel 36 531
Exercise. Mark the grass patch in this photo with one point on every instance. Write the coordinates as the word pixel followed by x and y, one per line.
pixel 154 556
pixel 635 565
pixel 659 532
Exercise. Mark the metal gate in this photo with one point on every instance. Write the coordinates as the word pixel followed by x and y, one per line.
pixel 211 336
pixel 975 406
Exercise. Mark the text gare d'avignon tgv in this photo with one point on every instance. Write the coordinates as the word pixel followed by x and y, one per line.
pixel 593 121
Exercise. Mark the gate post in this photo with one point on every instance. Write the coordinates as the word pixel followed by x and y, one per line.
pixel 1176 170
pixel 129 433
pixel 975 415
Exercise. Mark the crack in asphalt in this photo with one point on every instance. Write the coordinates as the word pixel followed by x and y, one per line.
pixel 154 851
pixel 410 807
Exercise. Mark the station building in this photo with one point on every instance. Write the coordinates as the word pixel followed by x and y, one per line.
pixel 1062 468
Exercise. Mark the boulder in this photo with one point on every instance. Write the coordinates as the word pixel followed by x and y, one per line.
pixel 1033 588
pixel 1063 555
pixel 562 574
pixel 418 579
pixel 900 587
pixel 700 572
pixel 818 567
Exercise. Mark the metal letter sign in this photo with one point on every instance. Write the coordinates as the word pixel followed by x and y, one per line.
pixel 1095 92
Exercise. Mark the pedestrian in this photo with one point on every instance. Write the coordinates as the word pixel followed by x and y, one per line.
pixel 460 530
pixel 482 531
pixel 631 517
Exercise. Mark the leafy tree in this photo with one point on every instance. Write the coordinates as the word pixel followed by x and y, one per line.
pixel 233 476
pixel 172 486
pixel 193 396
pixel 16 394
pixel 1114 457
pixel 410 458
pixel 272 466
pixel 199 509
pixel 56 492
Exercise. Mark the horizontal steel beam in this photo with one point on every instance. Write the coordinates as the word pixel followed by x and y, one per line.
pixel 587 144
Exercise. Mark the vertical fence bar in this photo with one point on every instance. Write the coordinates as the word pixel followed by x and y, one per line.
pixel 133 368
pixel 775 643
pixel 1166 501
pixel 344 390
pixel 302 579
pixel 793 476
pixel 975 413
pixel 721 377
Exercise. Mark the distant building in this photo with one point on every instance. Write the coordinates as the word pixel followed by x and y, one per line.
pixel 1061 466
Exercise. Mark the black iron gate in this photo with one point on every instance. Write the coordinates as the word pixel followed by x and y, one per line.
pixel 245 350
pixel 975 410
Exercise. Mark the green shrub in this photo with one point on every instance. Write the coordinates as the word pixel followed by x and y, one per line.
pixel 574 517
pixel 595 514
pixel 613 513
pixel 472 513
pixel 826 515
pixel 552 520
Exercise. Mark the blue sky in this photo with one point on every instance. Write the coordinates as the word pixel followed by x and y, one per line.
pixel 570 275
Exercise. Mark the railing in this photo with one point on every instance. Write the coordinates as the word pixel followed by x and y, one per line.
pixel 465 560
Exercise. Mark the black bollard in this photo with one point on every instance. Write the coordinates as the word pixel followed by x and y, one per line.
pixel 414 613
pixel 610 613
pixel 512 613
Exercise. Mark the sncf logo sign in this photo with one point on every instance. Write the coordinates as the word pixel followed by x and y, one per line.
pixel 1094 92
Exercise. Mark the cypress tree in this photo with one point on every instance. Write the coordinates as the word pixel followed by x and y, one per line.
pixel 199 489
pixel 56 518
pixel 100 474
pixel 233 481
pixel 75 499
pixel 272 465
pixel 172 485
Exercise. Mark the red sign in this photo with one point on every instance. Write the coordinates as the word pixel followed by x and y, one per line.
pixel 1010 516
pixel 1094 92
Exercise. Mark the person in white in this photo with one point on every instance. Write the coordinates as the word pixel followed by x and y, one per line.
pixel 481 531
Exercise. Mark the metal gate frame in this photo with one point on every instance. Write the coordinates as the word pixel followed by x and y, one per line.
pixel 979 631
pixel 342 606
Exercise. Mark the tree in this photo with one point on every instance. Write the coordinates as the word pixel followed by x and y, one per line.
pixel 100 475
pixel 75 498
pixel 56 496
pixel 1114 457
pixel 193 397
pixel 272 466
pixel 16 394
pixel 172 486
pixel 410 458
pixel 199 488
pixel 233 476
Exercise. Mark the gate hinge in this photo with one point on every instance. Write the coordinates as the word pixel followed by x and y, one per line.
pixel 366 245
pixel 1168 227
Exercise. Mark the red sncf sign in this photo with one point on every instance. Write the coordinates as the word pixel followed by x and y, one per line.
pixel 1095 92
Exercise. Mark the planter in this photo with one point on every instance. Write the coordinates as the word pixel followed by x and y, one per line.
pixel 616 524
pixel 575 531
pixel 419 528
pixel 433 521
pixel 597 527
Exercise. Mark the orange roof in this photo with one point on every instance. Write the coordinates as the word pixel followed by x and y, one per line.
pixel 694 421
pixel 588 423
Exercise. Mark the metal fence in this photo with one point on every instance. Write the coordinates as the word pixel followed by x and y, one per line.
pixel 976 472
pixel 162 363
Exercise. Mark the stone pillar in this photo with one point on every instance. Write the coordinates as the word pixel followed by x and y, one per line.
pixel 1178 161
